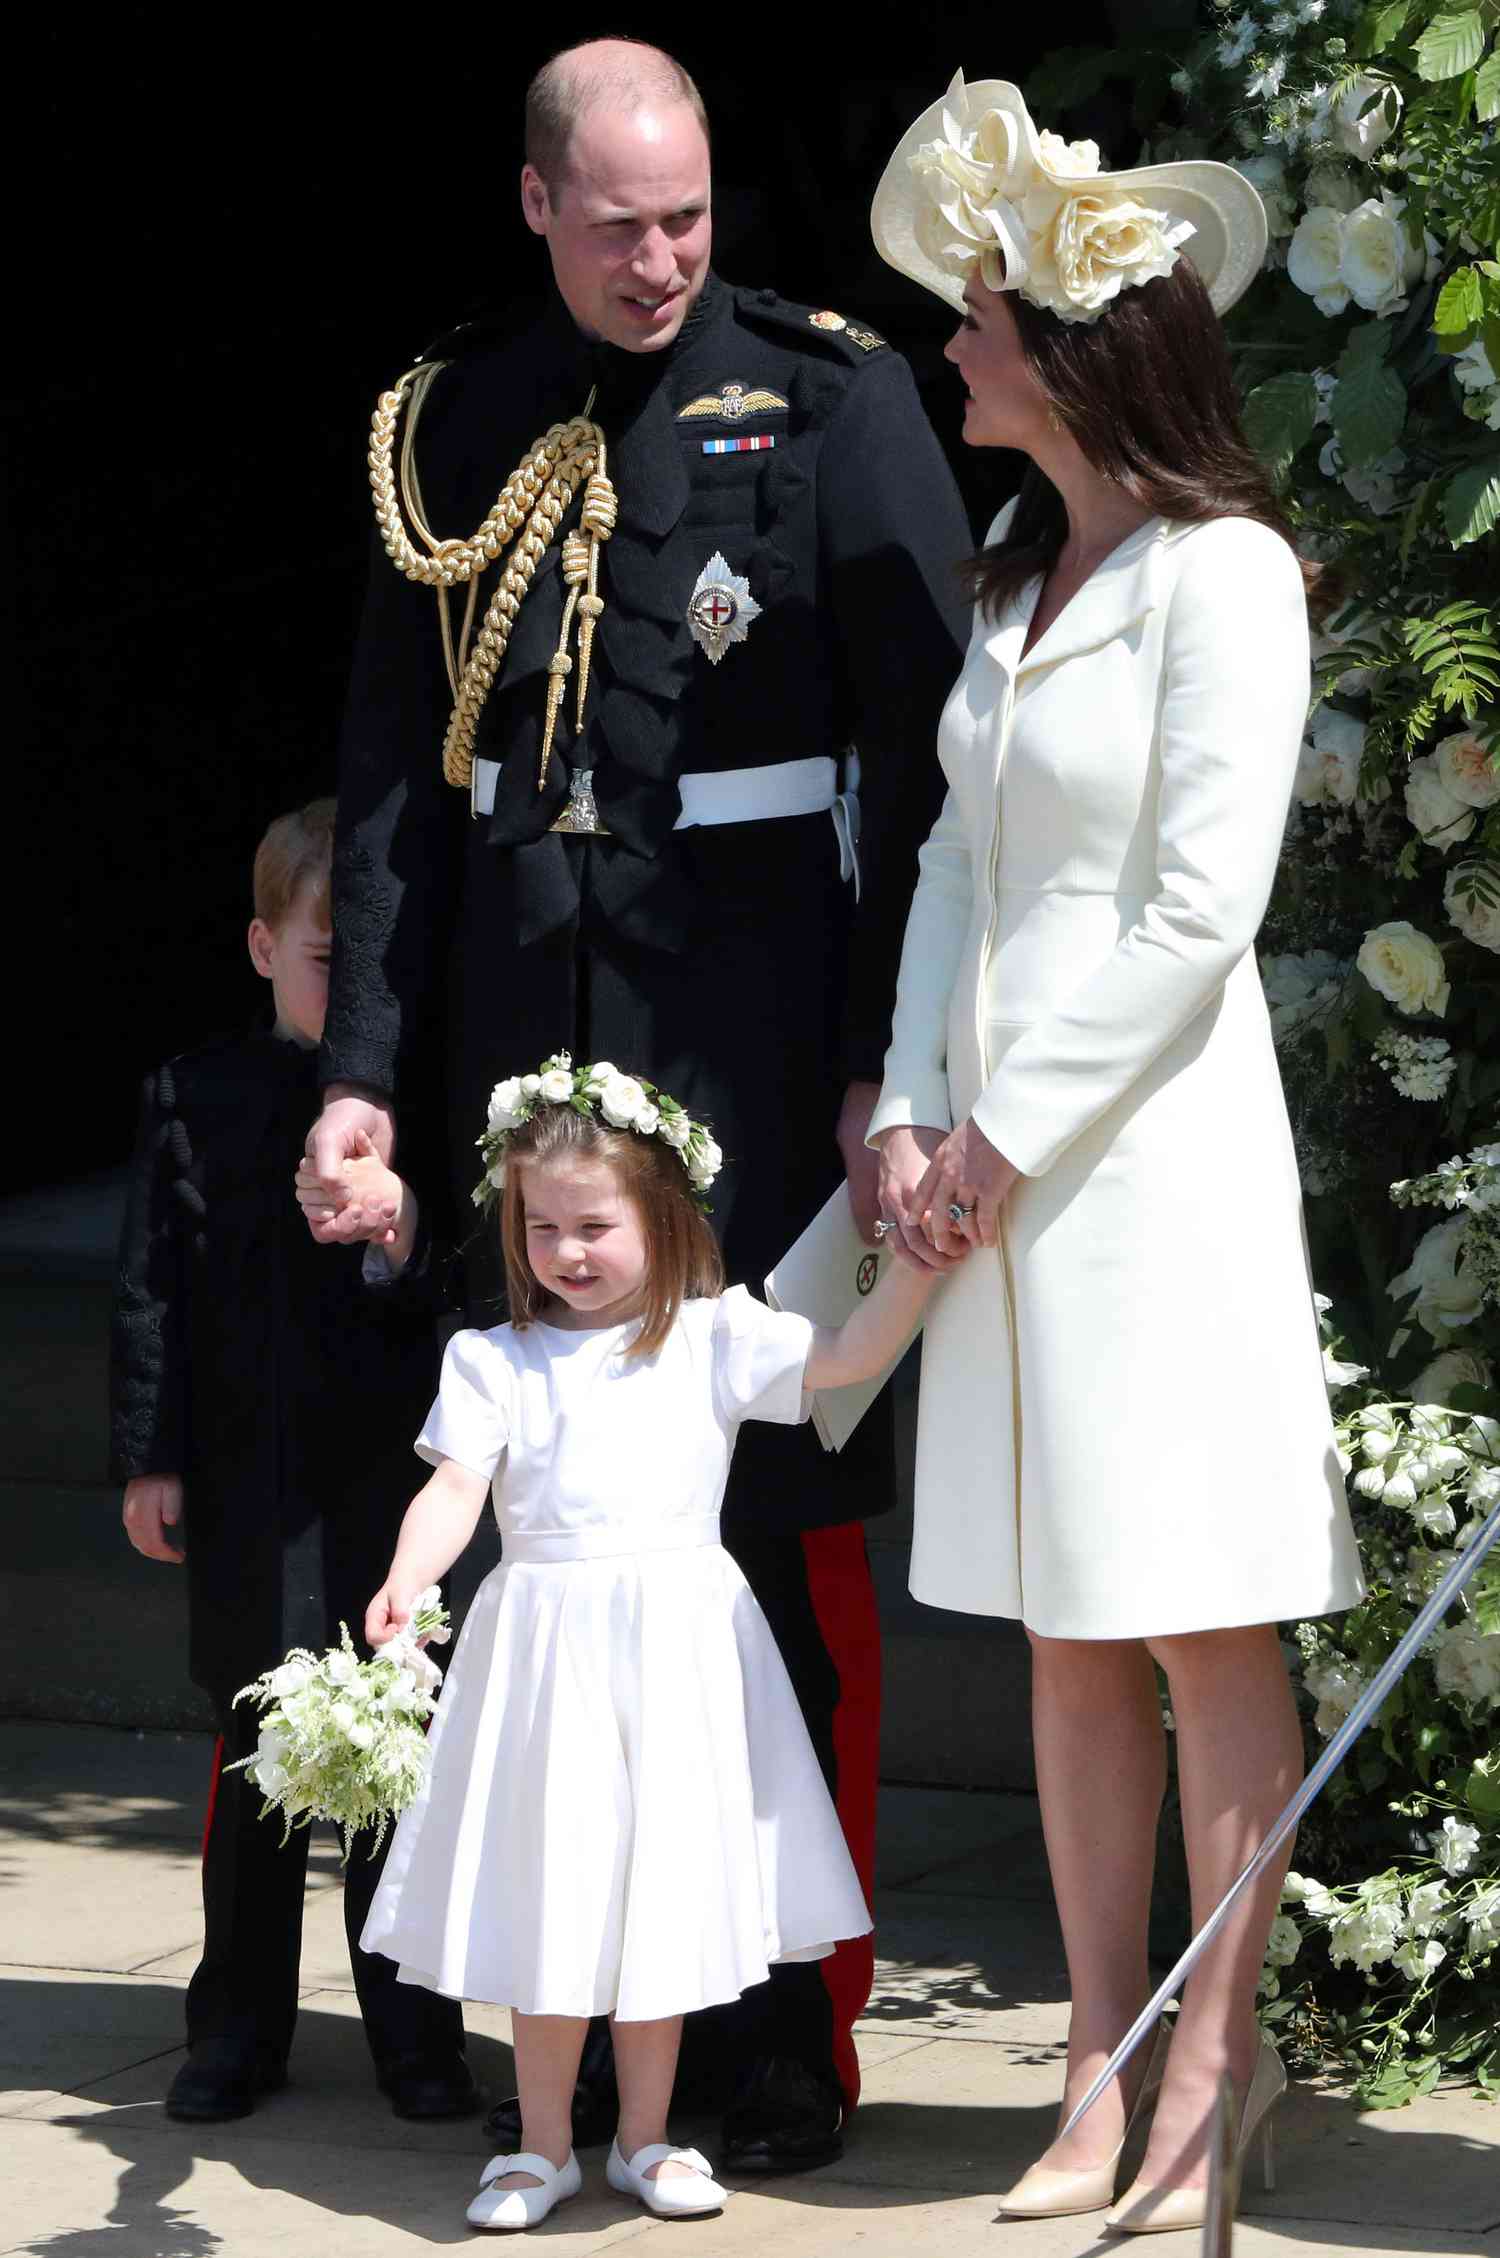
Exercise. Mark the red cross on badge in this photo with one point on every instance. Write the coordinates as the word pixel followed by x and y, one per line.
pixel 720 608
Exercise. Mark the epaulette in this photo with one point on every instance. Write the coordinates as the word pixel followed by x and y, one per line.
pixel 849 341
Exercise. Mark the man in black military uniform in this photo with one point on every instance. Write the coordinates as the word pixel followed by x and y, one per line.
pixel 683 894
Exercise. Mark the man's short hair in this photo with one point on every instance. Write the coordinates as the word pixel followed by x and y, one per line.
pixel 296 852
pixel 566 89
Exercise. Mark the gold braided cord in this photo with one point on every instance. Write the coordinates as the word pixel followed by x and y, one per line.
pixel 526 518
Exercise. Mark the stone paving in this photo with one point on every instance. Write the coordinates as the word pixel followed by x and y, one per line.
pixel 961 2047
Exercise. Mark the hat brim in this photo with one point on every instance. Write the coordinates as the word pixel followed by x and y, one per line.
pixel 1227 246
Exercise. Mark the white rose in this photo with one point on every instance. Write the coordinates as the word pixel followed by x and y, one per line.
pixel 289 1678
pixel 495 1174
pixel 530 1085
pixel 1374 255
pixel 1314 259
pixel 342 1715
pixel 271 1748
pixel 361 1736
pixel 1331 188
pixel 1466 769
pixel 1328 770
pixel 270 1778
pixel 1406 968
pixel 1454 1368
pixel 706 1163
pixel 647 1121
pixel 1361 136
pixel 676 1129
pixel 1087 245
pixel 1267 175
pixel 339 1668
pixel 1432 810
pixel 556 1085
pixel 603 1070
pixel 505 1105
pixel 620 1100
pixel 1477 920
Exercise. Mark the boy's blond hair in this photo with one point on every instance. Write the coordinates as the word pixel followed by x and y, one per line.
pixel 296 852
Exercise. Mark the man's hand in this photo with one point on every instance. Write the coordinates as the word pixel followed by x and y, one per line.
pixel 331 1142
pixel 861 1164
pixel 372 1202
pixel 153 1505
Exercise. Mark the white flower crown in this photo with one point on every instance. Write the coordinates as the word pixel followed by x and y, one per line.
pixel 602 1092
pixel 1024 208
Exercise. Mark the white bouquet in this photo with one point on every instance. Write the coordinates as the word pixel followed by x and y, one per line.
pixel 345 1740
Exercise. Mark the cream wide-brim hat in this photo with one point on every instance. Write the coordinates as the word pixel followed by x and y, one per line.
pixel 1228 219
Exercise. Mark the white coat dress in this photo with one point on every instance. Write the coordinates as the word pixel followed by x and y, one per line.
pixel 1124 1429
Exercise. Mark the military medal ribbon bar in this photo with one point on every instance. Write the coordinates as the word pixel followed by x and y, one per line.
pixel 748 446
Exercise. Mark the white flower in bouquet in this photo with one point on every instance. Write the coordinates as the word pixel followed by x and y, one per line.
pixel 1438 817
pixel 343 1740
pixel 1419 1957
pixel 1467 1665
pixel 621 1100
pixel 602 1071
pixel 1455 1845
pixel 1477 919
pixel 1285 1941
pixel 1328 768
pixel 1428 1907
pixel 505 1100
pixel 1466 768
pixel 1339 1374
pixel 1433 1514
pixel 1368 1933
pixel 1360 124
pixel 1301 1889
pixel 1482 1914
pixel 1405 967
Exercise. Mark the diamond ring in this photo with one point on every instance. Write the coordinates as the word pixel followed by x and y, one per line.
pixel 956 1213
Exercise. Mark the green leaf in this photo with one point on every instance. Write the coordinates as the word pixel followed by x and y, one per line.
pixel 1368 410
pixel 1280 416
pixel 1451 45
pixel 1487 87
pixel 1471 501
pixel 1460 303
pixel 1382 25
pixel 1482 1789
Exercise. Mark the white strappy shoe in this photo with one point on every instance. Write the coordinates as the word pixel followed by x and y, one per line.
pixel 675 2198
pixel 509 2210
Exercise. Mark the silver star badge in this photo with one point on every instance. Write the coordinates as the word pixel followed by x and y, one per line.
pixel 720 608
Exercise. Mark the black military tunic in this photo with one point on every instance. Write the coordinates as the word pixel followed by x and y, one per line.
pixel 730 963
pixel 285 1393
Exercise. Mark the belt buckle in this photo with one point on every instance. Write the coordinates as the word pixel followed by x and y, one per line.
pixel 581 812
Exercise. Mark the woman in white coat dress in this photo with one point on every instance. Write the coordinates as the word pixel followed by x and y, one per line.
pixel 1124 1436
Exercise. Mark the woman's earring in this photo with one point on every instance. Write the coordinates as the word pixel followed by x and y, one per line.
pixel 1054 420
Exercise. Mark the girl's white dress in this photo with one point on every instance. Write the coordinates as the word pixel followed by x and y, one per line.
pixel 623 1811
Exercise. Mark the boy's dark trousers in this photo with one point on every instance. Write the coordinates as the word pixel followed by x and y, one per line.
pixel 245 1987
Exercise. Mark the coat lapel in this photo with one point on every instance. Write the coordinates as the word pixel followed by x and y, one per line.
pixel 1121 590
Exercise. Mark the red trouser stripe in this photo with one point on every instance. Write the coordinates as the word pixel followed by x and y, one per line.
pixel 213 1793
pixel 843 1598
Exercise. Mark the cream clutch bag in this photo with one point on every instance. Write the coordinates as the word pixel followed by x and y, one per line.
pixel 824 1277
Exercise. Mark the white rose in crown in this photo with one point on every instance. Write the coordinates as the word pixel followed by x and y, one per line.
pixel 1441 819
pixel 1477 919
pixel 1467 770
pixel 530 1085
pixel 1405 967
pixel 556 1085
pixel 621 1100
pixel 647 1121
pixel 505 1106
pixel 706 1163
pixel 675 1130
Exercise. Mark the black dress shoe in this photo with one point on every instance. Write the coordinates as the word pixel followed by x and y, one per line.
pixel 596 2099
pixel 428 2085
pixel 783 2119
pixel 223 2078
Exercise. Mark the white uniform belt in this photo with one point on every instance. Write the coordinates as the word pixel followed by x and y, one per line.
pixel 539 1547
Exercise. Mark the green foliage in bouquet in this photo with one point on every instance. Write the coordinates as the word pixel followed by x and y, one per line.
pixel 1368 354
pixel 345 1740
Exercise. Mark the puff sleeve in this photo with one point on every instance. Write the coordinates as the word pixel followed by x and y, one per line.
pixel 470 1421
pixel 759 1356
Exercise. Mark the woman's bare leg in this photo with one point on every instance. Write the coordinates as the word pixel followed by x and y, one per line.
pixel 1101 1773
pixel 1239 1756
pixel 547 2050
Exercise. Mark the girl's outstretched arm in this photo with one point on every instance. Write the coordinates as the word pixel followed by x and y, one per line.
pixel 877 1330
pixel 438 1524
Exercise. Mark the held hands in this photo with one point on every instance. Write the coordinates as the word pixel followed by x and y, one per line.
pixel 923 1173
pixel 369 1201
pixel 153 1507
pixel 336 1218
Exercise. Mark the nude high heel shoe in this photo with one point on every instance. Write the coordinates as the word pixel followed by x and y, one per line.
pixel 1151 2210
pixel 1042 2193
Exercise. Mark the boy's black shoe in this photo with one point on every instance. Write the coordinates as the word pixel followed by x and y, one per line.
pixel 428 2085
pixel 783 2119
pixel 223 2078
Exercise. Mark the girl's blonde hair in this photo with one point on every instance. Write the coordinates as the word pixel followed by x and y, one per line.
pixel 682 1255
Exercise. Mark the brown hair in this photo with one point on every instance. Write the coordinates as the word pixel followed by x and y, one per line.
pixel 599 74
pixel 682 1254
pixel 1148 394
pixel 297 851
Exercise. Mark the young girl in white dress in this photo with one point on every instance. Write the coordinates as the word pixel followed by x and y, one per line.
pixel 624 1814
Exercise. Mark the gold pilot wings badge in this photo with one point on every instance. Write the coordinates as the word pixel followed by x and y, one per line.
pixel 732 402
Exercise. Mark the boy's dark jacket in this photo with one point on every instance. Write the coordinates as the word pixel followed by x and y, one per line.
pixel 258 1365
